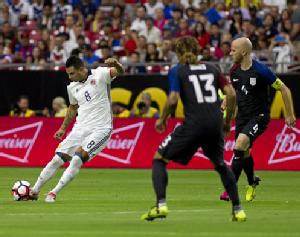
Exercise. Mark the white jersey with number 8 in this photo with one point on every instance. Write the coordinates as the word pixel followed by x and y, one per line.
pixel 93 98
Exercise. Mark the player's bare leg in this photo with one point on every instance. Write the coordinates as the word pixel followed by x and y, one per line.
pixel 160 182
pixel 70 173
pixel 47 173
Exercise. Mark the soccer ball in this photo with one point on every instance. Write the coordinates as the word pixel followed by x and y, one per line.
pixel 20 190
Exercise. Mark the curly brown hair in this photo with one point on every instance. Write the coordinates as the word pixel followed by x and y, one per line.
pixel 187 50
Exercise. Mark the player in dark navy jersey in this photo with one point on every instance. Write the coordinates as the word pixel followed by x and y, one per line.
pixel 252 80
pixel 197 86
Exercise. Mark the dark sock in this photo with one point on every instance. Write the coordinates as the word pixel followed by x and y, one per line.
pixel 229 183
pixel 237 163
pixel 159 179
pixel 249 169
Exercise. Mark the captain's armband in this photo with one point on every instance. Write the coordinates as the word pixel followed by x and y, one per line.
pixel 277 84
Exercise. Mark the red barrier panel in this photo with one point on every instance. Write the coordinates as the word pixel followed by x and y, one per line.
pixel 29 142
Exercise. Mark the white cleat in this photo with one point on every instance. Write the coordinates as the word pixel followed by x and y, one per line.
pixel 50 197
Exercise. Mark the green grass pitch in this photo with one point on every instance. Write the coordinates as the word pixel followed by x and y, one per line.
pixel 105 202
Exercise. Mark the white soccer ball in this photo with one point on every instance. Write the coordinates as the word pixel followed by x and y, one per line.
pixel 20 190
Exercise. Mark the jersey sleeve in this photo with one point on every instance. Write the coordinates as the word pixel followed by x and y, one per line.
pixel 103 74
pixel 72 99
pixel 265 73
pixel 173 79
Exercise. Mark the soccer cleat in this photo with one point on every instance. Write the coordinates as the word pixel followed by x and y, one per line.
pixel 32 195
pixel 50 197
pixel 156 212
pixel 239 216
pixel 224 196
pixel 251 189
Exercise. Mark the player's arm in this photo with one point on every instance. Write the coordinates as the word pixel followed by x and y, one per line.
pixel 116 67
pixel 71 114
pixel 169 108
pixel 230 106
pixel 288 101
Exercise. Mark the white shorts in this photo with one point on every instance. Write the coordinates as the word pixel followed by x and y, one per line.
pixel 91 140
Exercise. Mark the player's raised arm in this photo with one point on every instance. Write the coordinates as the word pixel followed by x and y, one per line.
pixel 71 114
pixel 290 118
pixel 116 67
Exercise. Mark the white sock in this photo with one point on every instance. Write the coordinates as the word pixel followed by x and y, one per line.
pixel 47 173
pixel 69 173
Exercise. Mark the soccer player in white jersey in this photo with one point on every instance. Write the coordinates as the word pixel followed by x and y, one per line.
pixel 89 95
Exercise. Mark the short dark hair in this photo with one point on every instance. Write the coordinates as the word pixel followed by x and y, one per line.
pixel 74 61
pixel 23 97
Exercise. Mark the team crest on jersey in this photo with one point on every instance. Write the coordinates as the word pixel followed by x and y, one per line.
pixel 93 82
pixel 252 81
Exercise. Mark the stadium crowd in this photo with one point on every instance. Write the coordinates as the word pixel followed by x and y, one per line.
pixel 40 33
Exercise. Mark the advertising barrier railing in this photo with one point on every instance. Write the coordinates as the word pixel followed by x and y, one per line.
pixel 29 142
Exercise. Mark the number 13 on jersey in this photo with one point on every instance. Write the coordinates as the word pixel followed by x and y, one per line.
pixel 208 79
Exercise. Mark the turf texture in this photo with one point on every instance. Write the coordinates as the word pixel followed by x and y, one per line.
pixel 109 202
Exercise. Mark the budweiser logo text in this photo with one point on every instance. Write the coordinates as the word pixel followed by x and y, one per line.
pixel 288 143
pixel 119 143
pixel 15 143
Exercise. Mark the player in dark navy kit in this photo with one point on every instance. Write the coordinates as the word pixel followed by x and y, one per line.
pixel 197 86
pixel 252 80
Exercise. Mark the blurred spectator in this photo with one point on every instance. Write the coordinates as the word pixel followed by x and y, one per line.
pixel 59 107
pixel 285 24
pixel 88 56
pixel 166 54
pixel 152 6
pixel 69 28
pixel 139 23
pixel 19 12
pixel 96 24
pixel 21 109
pixel 105 53
pixel 44 50
pixel 256 21
pixel 160 20
pixel 226 61
pixel 88 9
pixel 4 13
pixel 5 55
pixel 37 8
pixel 60 10
pixel 58 54
pixel 23 48
pixel 190 15
pixel 142 47
pixel 173 24
pixel 36 61
pixel 119 110
pixel 8 33
pixel 207 55
pixel 248 30
pixel 134 59
pixel 144 108
pixel 47 19
pixel 262 52
pixel 201 35
pixel 294 10
pixel 152 57
pixel 183 29
pixel 282 52
pixel 236 25
pixel 152 33
pixel 269 27
pixel 168 8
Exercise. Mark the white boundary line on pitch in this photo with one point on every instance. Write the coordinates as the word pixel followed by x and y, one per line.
pixel 104 212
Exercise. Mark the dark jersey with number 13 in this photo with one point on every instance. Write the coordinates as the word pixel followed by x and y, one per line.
pixel 198 87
